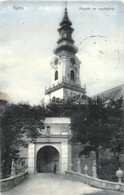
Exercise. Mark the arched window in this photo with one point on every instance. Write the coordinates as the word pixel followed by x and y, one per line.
pixel 72 75
pixel 56 75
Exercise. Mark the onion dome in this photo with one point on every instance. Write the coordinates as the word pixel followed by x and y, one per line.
pixel 65 42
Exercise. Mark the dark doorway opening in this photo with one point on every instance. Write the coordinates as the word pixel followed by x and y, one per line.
pixel 47 157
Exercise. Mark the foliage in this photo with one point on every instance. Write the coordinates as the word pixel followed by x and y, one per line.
pixel 99 126
pixel 96 125
pixel 65 108
pixel 115 125
pixel 107 169
pixel 18 122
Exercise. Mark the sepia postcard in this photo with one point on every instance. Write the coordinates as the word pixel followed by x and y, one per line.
pixel 59 49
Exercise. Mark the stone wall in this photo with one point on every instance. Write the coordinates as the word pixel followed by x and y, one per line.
pixel 94 182
pixel 10 182
pixel 84 160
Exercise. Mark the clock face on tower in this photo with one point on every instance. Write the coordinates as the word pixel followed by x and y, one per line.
pixel 72 60
pixel 56 61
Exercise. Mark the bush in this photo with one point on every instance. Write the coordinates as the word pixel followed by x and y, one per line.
pixel 107 169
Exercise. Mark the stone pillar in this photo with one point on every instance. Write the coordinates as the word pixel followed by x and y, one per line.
pixel 86 169
pixel 94 168
pixel 69 158
pixel 78 165
pixel 31 158
pixel 13 169
pixel 64 157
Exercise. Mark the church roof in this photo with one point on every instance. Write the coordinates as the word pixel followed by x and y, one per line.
pixel 65 20
pixel 65 41
pixel 113 93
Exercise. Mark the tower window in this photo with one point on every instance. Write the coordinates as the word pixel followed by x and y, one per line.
pixel 56 75
pixel 72 75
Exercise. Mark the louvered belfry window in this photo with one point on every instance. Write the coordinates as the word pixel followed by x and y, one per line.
pixel 72 75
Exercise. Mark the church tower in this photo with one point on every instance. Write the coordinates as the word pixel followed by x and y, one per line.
pixel 65 66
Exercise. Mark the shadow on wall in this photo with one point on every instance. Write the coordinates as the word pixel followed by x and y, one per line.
pixel 104 193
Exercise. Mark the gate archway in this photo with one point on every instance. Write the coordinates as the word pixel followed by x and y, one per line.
pixel 47 157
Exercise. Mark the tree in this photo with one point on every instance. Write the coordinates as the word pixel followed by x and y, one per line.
pixel 88 128
pixel 115 125
pixel 64 108
pixel 98 127
pixel 20 123
pixel 114 110
pixel 3 105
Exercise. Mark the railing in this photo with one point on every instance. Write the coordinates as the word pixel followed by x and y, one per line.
pixel 10 182
pixel 66 85
pixel 95 182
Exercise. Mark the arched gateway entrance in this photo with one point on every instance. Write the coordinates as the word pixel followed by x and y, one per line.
pixel 47 157
pixel 51 147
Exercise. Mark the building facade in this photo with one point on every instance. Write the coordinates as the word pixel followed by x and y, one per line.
pixel 65 66
pixel 51 147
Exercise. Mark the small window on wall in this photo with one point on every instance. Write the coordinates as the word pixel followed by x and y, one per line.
pixel 56 75
pixel 72 75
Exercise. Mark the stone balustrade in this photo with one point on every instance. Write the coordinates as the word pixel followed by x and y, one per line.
pixel 95 182
pixel 10 182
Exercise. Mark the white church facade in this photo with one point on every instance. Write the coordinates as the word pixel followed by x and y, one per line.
pixel 52 146
pixel 65 66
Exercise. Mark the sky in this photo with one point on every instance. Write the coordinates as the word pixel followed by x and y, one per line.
pixel 28 35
